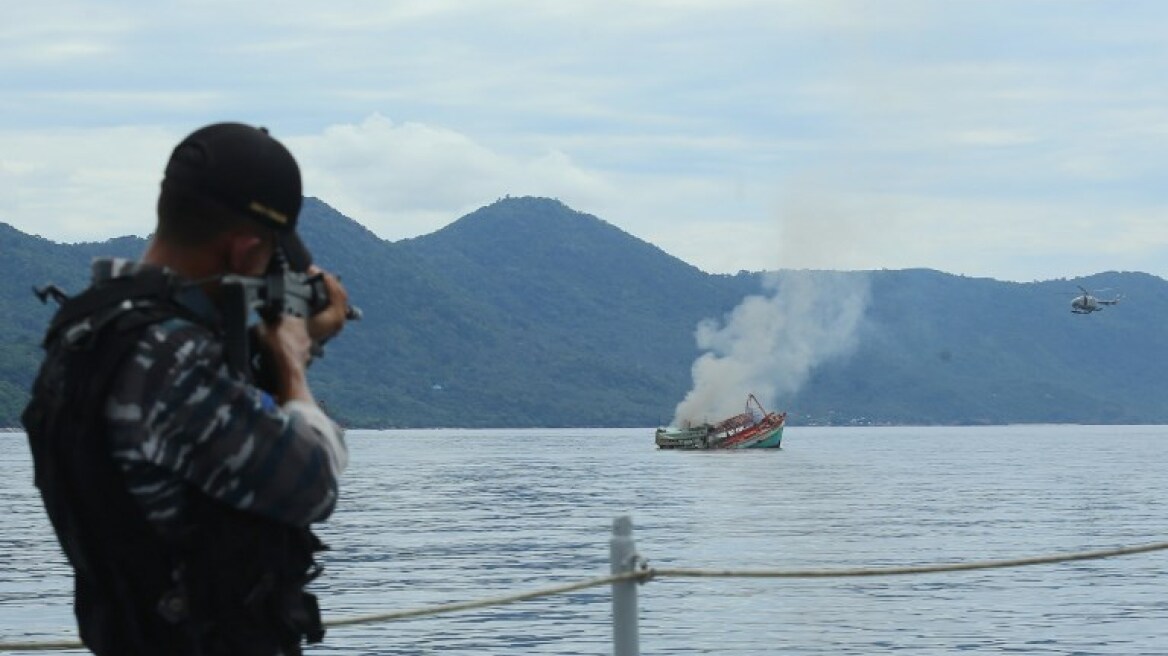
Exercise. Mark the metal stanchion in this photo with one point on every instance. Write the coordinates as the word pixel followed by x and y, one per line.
pixel 623 557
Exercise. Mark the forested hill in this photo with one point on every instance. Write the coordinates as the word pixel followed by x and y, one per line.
pixel 528 313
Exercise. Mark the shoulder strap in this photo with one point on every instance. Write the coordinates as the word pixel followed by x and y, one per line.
pixel 83 316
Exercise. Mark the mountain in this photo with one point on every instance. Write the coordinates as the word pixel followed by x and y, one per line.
pixel 943 349
pixel 30 261
pixel 528 313
pixel 523 313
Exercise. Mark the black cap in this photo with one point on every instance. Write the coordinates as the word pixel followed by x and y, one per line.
pixel 243 169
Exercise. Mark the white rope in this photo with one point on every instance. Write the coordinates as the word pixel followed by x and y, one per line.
pixel 40 646
pixel 481 603
pixel 645 574
pixel 912 569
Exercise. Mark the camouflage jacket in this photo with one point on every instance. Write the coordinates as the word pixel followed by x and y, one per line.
pixel 179 420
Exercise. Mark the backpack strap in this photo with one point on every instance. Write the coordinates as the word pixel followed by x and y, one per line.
pixel 82 317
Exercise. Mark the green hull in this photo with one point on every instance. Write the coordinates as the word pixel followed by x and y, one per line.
pixel 685 438
pixel 772 441
pixel 765 435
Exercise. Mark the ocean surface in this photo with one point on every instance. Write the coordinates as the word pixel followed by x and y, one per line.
pixel 439 516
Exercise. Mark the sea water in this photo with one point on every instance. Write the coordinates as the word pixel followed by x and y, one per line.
pixel 430 517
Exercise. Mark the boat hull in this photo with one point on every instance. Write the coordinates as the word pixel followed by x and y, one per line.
pixel 766 435
pixel 771 440
pixel 692 439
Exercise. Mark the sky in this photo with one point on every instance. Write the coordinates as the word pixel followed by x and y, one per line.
pixel 1018 140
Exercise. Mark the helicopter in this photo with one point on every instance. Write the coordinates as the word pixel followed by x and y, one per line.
pixel 1086 303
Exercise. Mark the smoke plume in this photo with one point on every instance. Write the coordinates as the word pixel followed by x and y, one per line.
pixel 769 344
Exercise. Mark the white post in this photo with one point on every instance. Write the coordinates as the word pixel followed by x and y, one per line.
pixel 622 553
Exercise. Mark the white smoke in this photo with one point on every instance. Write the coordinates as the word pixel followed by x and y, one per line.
pixel 769 344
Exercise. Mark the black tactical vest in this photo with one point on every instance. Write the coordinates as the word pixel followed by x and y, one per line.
pixel 233 585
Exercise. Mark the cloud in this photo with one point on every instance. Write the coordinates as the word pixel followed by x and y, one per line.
pixel 408 179
pixel 993 137
pixel 82 185
pixel 1011 239
pixel 989 138
pixel 403 180
pixel 48 35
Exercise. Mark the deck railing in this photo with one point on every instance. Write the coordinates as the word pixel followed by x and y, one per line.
pixel 628 570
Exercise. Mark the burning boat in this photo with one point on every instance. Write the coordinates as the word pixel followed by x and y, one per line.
pixel 754 429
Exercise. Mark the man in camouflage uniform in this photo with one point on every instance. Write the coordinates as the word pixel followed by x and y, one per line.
pixel 181 491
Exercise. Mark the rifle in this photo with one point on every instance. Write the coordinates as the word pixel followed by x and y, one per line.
pixel 284 292
pixel 279 291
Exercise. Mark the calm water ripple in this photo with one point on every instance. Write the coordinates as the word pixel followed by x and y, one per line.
pixel 439 516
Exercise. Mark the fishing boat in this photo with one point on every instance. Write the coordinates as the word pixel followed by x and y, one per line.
pixel 754 429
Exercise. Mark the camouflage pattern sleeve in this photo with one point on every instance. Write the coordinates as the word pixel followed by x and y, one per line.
pixel 178 418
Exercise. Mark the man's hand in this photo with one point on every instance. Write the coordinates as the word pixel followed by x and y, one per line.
pixel 290 347
pixel 323 325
